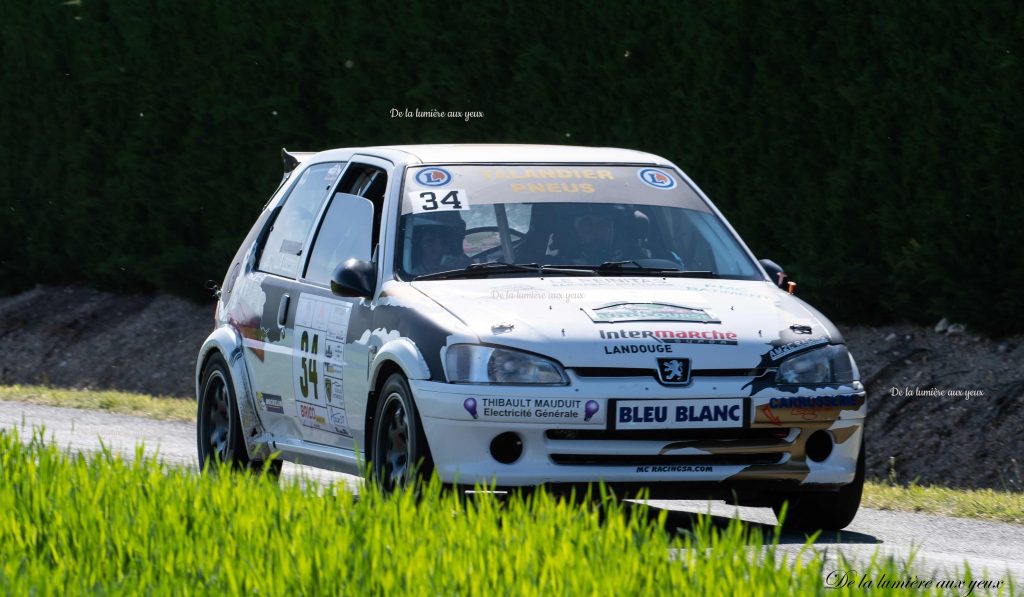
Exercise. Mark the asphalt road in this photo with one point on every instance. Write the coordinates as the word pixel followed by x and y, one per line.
pixel 940 544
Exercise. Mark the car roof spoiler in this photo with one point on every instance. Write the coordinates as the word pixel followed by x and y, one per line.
pixel 292 159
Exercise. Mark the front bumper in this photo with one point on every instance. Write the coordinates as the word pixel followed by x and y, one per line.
pixel 562 446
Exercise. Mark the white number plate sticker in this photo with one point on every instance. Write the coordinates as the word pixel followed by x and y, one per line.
pixel 428 201
pixel 679 414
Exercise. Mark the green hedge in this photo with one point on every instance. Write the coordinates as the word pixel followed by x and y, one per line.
pixel 872 148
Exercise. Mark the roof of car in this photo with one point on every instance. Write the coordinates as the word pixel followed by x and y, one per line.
pixel 497 152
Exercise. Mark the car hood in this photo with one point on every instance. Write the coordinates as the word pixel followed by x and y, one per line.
pixel 630 321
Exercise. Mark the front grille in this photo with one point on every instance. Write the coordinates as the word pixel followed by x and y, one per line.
pixel 670 435
pixel 644 459
pixel 634 372
pixel 728 372
pixel 613 372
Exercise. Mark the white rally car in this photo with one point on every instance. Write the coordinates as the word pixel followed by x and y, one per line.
pixel 526 315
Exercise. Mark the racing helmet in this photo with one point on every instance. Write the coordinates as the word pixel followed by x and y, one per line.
pixel 448 225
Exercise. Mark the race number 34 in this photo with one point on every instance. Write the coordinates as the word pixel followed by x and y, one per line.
pixel 439 200
pixel 308 377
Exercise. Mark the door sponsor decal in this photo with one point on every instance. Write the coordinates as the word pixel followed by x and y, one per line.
pixel 329 419
pixel 270 403
pixel 321 325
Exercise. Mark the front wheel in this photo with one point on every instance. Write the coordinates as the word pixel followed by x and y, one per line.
pixel 828 511
pixel 400 452
pixel 218 427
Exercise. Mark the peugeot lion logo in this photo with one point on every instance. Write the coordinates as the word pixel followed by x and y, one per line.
pixel 674 371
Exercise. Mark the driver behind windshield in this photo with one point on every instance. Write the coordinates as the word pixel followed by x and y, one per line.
pixel 437 243
pixel 595 232
pixel 600 238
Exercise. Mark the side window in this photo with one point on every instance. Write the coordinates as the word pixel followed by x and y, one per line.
pixel 351 225
pixel 282 253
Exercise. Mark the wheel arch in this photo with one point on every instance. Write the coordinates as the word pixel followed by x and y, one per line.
pixel 382 373
pixel 399 355
pixel 227 342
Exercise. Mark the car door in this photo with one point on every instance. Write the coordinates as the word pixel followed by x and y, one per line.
pixel 278 265
pixel 328 369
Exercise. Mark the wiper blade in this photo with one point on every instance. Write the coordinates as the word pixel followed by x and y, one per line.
pixel 631 267
pixel 499 267
pixel 692 273
pixel 620 265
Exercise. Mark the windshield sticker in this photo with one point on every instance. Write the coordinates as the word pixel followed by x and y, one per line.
pixel 537 173
pixel 656 178
pixel 556 183
pixel 435 201
pixel 552 187
pixel 291 247
pixel 648 312
pixel 333 173
pixel 433 177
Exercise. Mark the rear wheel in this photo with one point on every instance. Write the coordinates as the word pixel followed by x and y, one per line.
pixel 400 453
pixel 828 511
pixel 218 427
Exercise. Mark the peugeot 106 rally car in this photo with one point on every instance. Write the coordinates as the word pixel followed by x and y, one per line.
pixel 526 315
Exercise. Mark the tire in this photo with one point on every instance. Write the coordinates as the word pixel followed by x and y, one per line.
pixel 400 456
pixel 218 429
pixel 828 511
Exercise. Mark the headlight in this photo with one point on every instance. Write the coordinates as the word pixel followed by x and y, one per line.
pixel 471 363
pixel 826 365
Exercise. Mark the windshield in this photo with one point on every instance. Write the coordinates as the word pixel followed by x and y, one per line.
pixel 578 216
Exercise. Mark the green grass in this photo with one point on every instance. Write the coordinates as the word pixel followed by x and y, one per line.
pixel 124 403
pixel 985 504
pixel 970 503
pixel 71 524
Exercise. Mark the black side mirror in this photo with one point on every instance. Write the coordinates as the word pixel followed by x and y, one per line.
pixel 355 277
pixel 778 275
